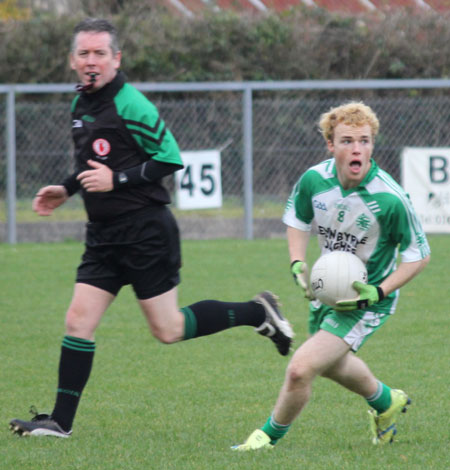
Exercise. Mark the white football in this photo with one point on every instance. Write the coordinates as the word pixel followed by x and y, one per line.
pixel 333 274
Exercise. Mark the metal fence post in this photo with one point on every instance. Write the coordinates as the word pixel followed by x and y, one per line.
pixel 11 166
pixel 247 124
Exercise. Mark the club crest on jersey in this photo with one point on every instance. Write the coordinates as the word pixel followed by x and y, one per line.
pixel 101 147
pixel 363 222
pixel 320 205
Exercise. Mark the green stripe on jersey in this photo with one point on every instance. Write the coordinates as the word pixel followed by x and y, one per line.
pixel 74 103
pixel 141 117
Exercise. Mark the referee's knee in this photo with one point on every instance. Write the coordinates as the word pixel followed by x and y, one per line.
pixel 167 331
pixel 166 322
pixel 166 336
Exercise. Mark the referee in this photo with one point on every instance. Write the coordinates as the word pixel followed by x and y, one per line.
pixel 122 150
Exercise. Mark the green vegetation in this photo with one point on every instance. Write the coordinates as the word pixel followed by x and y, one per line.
pixel 180 407
pixel 299 43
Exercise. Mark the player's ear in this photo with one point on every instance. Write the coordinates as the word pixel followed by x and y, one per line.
pixel 330 146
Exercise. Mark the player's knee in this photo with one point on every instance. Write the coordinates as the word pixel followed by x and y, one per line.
pixel 299 373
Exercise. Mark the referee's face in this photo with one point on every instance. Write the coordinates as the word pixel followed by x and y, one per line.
pixel 352 147
pixel 93 55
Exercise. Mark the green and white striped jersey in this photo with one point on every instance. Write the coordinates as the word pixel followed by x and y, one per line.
pixel 375 220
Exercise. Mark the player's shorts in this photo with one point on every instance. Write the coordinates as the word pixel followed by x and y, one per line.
pixel 141 249
pixel 354 327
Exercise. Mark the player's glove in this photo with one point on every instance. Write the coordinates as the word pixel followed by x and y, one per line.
pixel 299 270
pixel 368 295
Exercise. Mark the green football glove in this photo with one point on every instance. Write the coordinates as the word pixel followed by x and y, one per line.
pixel 299 270
pixel 368 295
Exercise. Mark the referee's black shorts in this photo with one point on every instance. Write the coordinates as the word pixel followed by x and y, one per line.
pixel 141 249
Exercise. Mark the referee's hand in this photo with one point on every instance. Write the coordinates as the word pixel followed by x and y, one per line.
pixel 49 198
pixel 98 180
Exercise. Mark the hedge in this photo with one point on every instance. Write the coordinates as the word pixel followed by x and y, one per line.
pixel 298 44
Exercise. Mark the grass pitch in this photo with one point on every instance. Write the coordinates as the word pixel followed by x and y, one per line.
pixel 180 407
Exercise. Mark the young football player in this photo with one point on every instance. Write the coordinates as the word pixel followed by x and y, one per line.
pixel 355 206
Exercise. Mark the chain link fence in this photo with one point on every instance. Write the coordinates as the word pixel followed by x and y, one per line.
pixel 284 136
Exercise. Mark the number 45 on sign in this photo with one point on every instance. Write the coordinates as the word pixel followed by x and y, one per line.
pixel 198 185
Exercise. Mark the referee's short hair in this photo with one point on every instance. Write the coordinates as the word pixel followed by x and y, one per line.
pixel 97 25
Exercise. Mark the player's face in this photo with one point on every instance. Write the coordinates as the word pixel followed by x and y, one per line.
pixel 93 54
pixel 352 147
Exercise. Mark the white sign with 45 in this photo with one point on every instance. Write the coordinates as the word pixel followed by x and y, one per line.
pixel 199 183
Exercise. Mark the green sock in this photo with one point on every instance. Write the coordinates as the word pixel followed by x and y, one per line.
pixel 275 430
pixel 381 400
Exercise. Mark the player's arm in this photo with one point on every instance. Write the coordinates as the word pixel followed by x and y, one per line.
pixel 413 247
pixel 403 226
pixel 297 245
pixel 403 274
pixel 298 216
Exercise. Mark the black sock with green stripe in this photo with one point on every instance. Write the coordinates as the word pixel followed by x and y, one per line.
pixel 75 367
pixel 211 316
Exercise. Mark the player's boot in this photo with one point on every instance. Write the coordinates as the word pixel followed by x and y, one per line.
pixel 383 425
pixel 40 425
pixel 275 326
pixel 258 439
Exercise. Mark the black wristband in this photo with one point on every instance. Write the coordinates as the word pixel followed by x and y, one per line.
pixel 120 178
pixel 380 293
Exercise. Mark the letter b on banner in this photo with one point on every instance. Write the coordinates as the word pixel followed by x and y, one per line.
pixel 438 169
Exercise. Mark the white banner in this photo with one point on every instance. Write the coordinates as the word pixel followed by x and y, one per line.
pixel 199 183
pixel 426 178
